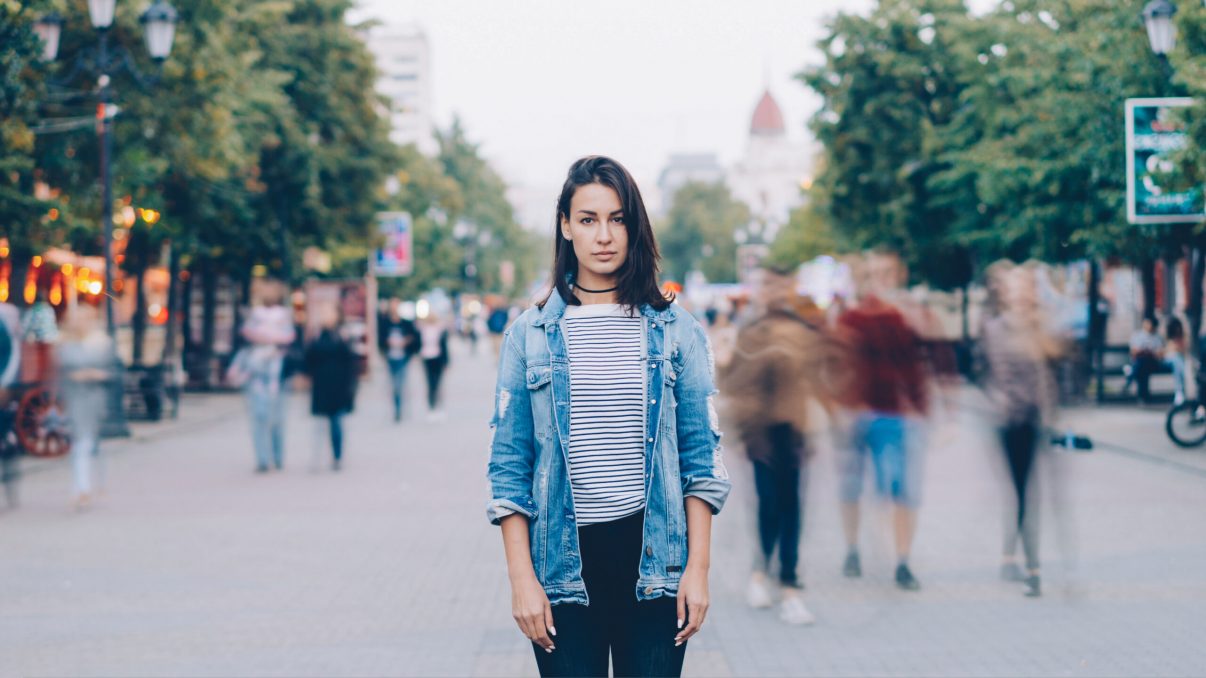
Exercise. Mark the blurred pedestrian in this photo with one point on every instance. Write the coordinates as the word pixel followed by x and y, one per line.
pixel 332 367
pixel 607 556
pixel 1023 389
pixel 433 349
pixel 85 362
pixel 398 341
pixel 1147 349
pixel 1173 357
pixel 888 396
pixel 774 371
pixel 258 368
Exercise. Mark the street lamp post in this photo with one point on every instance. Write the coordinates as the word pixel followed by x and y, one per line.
pixel 1158 19
pixel 159 21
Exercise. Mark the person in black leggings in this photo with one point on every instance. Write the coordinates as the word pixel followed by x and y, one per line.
pixel 1018 352
pixel 634 631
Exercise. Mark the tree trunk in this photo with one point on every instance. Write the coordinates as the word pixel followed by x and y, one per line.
pixel 138 323
pixel 1095 336
pixel 1147 273
pixel 209 291
pixel 173 302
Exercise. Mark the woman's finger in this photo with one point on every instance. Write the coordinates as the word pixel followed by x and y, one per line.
pixel 682 610
pixel 548 619
pixel 541 634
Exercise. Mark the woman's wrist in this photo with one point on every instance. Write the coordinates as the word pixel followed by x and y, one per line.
pixel 698 564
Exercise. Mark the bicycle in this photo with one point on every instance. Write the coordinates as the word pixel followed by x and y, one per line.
pixel 1186 421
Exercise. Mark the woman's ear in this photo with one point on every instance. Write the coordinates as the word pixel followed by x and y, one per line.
pixel 565 229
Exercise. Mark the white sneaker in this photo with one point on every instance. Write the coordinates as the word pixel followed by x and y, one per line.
pixel 792 611
pixel 758 595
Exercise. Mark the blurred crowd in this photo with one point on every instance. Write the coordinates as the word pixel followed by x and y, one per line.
pixel 869 375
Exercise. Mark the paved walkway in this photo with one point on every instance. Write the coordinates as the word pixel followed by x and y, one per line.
pixel 193 566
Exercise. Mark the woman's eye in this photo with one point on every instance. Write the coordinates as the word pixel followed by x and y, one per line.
pixel 588 220
pixel 618 220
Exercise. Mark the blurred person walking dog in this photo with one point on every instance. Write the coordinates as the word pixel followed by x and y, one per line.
pixel 333 370
pixel 771 382
pixel 258 368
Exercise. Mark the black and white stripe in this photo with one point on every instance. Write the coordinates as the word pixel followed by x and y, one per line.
pixel 607 412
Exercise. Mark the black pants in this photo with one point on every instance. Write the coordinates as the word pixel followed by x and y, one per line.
pixel 336 435
pixel 777 471
pixel 434 369
pixel 638 634
pixel 1020 442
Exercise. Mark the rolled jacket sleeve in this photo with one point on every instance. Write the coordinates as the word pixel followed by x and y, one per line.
pixel 700 458
pixel 512 440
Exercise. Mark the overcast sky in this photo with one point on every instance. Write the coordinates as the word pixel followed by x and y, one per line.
pixel 541 82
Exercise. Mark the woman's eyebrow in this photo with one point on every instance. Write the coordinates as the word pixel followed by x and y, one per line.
pixel 617 212
pixel 589 212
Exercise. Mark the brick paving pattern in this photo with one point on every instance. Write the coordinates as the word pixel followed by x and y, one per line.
pixel 191 565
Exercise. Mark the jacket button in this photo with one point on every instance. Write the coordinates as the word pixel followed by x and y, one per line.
pixel 651 440
pixel 648 590
pixel 648 550
pixel 532 378
pixel 653 401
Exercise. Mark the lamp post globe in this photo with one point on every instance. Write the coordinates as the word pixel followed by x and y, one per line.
pixel 101 13
pixel 159 23
pixel 1157 17
pixel 49 28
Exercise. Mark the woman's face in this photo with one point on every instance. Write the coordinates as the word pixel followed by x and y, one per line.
pixel 596 227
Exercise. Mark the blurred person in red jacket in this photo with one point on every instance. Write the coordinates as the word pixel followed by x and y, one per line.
pixel 888 396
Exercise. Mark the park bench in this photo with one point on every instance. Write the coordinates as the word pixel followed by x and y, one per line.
pixel 1110 369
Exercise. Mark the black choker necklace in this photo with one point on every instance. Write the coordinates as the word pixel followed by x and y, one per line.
pixel 610 289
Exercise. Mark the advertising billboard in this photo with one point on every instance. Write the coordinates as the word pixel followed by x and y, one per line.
pixel 396 256
pixel 1154 134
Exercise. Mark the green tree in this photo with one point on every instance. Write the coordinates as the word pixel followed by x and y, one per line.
pixel 22 216
pixel 698 232
pixel 889 85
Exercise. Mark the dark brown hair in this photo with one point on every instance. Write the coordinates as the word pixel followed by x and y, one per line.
pixel 637 279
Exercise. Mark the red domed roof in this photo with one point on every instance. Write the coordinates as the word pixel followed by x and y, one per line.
pixel 768 118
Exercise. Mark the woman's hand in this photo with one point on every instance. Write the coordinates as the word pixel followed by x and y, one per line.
pixel 531 610
pixel 692 602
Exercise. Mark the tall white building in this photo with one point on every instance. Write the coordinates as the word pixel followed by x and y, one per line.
pixel 771 176
pixel 404 63
pixel 684 168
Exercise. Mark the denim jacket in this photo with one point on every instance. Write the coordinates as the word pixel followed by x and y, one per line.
pixel 528 469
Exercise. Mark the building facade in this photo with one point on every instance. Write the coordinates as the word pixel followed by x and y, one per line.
pixel 774 172
pixel 403 57
pixel 684 168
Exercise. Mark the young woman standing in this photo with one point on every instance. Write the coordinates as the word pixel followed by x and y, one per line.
pixel 605 461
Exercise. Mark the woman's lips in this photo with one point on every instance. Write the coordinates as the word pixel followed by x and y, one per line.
pixel 604 256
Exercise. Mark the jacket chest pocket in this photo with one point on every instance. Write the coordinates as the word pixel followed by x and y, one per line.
pixel 538 380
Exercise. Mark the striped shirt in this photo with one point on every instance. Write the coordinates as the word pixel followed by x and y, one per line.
pixel 607 412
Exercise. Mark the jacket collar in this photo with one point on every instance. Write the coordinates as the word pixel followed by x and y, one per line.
pixel 554 310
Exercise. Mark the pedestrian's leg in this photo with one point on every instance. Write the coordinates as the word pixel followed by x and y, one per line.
pixel 768 517
pixel 397 376
pixel 787 477
pixel 277 428
pixel 431 370
pixel 1177 362
pixel 336 437
pixel 440 366
pixel 81 465
pixel 261 438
